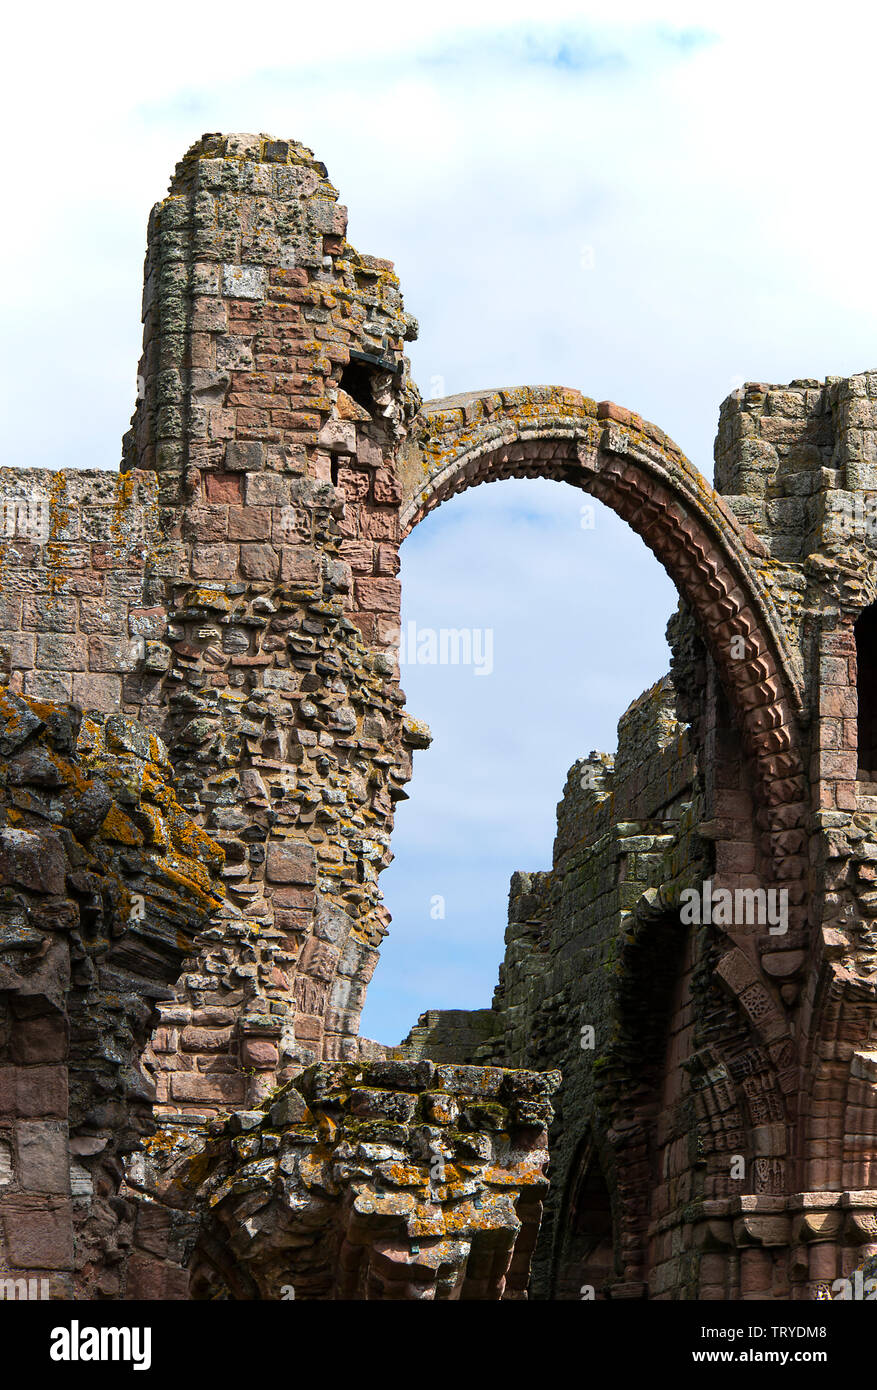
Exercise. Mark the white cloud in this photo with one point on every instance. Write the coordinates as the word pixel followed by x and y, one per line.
pixel 714 161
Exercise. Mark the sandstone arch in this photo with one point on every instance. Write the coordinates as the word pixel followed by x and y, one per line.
pixel 719 566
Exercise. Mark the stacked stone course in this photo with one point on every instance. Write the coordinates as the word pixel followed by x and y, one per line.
pixel 203 739
pixel 107 882
pixel 713 1045
pixel 377 1180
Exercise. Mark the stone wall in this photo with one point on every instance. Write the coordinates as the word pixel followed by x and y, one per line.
pixel 376 1180
pixel 106 884
pixel 79 606
pixel 280 704
pixel 203 739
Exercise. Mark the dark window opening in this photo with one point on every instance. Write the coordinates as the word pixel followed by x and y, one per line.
pixel 587 1256
pixel 866 683
pixel 356 380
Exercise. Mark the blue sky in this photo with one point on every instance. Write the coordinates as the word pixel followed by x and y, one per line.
pixel 571 649
pixel 651 203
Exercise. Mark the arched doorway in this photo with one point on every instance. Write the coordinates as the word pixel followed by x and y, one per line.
pixel 587 1263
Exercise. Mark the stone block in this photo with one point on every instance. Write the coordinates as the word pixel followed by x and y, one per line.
pixel 259 562
pixel 249 524
pixel 243 281
pixel 103 615
pixel 21 649
pixel 206 1039
pixel 214 561
pixel 209 316
pixel 97 692
pixel 60 652
pixel 257 1052
pixel 118 654
pixel 300 565
pixel 373 1104
pixel 308 1028
pixel 266 490
pixel 41 1039
pixel 39 1239
pixel 223 488
pixel 52 614
pixel 291 861
pixel 34 860
pixel 244 456
pixel 206 523
pixel 42 1156
pixel 38 1091
pixel 338 436
pixel 378 595
pixel 51 687
pixel 195 1087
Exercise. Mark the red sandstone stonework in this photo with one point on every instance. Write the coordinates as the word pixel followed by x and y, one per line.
pixel 190 909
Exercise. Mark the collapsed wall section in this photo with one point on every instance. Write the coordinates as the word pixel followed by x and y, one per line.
pixel 106 883
pixel 373 1180
pixel 275 395
pixel 79 598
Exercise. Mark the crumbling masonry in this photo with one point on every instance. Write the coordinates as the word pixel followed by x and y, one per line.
pixel 203 738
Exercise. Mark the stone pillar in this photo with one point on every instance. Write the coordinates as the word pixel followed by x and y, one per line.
pixel 275 399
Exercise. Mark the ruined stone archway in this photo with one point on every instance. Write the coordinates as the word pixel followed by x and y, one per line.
pixel 722 572
pixel 715 562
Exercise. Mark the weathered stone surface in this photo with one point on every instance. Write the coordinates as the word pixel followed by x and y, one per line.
pixel 291 863
pixel 103 888
pixel 191 854
pixel 358 1200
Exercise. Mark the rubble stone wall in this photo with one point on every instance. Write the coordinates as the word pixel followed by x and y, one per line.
pixel 726 1107
pixel 106 883
pixel 202 740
